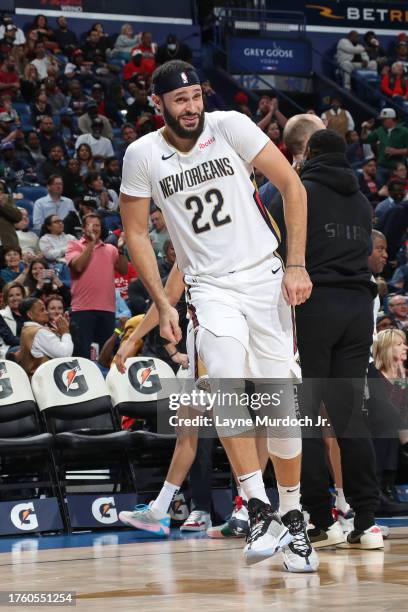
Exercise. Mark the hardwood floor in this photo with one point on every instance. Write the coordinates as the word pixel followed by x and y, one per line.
pixel 208 574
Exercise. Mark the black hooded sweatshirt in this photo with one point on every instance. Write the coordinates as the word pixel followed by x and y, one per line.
pixel 338 224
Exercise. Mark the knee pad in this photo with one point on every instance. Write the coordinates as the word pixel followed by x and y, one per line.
pixel 284 448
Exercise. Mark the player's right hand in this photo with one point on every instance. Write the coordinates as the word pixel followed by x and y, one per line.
pixel 126 349
pixel 169 324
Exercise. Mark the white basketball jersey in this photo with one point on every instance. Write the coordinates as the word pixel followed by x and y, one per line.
pixel 208 197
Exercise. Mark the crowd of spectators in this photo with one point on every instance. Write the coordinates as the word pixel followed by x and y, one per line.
pixel 69 108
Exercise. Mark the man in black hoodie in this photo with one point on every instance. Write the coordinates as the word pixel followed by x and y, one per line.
pixel 334 332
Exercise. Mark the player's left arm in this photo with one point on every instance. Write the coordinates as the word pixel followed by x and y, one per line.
pixel 296 284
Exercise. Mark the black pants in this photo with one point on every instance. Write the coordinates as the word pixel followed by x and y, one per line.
pixel 93 326
pixel 334 332
pixel 201 475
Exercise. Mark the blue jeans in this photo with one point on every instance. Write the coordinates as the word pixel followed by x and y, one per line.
pixel 93 326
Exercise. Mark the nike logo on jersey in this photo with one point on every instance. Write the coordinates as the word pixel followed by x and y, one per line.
pixel 168 156
pixel 275 271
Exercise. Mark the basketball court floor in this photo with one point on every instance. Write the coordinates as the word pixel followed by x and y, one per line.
pixel 124 571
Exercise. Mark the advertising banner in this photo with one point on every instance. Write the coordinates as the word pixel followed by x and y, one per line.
pixel 269 56
pixel 176 8
pixel 99 510
pixel 31 516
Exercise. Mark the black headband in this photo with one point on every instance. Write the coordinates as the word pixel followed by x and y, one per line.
pixel 174 80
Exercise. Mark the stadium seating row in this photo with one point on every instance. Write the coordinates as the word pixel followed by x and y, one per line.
pixel 64 427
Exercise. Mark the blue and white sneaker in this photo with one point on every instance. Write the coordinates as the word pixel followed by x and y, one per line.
pixel 267 534
pixel 145 518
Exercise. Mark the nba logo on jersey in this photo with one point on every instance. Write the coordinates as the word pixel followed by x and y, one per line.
pixel 184 77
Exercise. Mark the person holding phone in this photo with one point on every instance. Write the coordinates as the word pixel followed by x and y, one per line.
pixel 92 265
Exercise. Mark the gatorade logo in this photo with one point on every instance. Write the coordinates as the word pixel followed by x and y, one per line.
pixel 144 378
pixel 23 516
pixel 104 510
pixel 5 383
pixel 69 379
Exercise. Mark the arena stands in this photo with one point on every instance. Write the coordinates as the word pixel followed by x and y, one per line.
pixel 72 99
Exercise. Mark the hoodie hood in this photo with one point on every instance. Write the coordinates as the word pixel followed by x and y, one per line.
pixel 333 171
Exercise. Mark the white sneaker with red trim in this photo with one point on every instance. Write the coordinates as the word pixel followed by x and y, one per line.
pixel 198 520
pixel 370 539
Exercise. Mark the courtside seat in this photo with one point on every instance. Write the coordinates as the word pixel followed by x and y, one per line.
pixel 20 428
pixel 72 396
pixel 143 392
pixel 83 438
pixel 145 388
pixel 27 466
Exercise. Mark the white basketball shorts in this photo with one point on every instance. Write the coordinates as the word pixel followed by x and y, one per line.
pixel 248 306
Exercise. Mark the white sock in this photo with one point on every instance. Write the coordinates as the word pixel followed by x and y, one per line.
pixel 289 498
pixel 241 493
pixel 162 502
pixel 252 485
pixel 341 502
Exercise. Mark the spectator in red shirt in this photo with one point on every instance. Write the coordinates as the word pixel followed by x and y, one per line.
pixel 9 79
pixel 93 291
pixel 394 83
pixel 148 48
pixel 136 65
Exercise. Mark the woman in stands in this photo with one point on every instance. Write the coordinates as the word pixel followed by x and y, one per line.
pixel 86 160
pixel 55 309
pixel 27 240
pixel 44 32
pixel 42 281
pixel 106 199
pixel 11 321
pixel 15 269
pixel 53 240
pixel 29 83
pixel 125 42
pixel 39 343
pixel 275 134
pixel 388 408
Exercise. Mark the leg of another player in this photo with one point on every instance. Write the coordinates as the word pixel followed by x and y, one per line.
pixel 154 517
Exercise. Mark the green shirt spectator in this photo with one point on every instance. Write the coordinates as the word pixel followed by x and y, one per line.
pixel 392 139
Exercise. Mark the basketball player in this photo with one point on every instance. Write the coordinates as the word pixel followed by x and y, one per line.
pixel 198 169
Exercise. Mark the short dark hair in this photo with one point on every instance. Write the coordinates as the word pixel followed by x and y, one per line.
pixel 91 177
pixel 17 249
pixel 53 296
pixel 89 216
pixel 53 177
pixel 326 141
pixel 26 305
